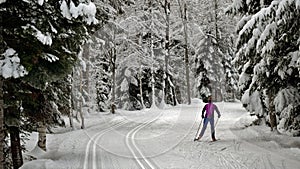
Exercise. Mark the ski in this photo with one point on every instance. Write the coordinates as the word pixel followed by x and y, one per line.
pixel 206 141
pixel 196 139
pixel 215 140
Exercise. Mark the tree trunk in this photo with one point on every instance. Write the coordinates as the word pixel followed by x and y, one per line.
pixel 272 114
pixel 216 20
pixel 16 149
pixel 141 88
pixel 2 135
pixel 72 103
pixel 186 56
pixel 71 120
pixel 174 96
pixel 113 62
pixel 42 136
pixel 87 75
pixel 218 86
pixel 167 54
pixel 152 75
pixel 81 101
pixel 152 56
pixel 140 77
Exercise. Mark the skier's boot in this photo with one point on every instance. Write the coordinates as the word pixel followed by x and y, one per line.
pixel 213 137
pixel 197 139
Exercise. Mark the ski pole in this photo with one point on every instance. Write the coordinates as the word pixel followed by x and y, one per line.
pixel 216 124
pixel 198 129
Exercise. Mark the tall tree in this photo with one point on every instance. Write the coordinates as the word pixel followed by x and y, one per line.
pixel 268 47
pixel 183 13
pixel 167 10
pixel 35 38
pixel 209 67
pixel 142 31
pixel 2 135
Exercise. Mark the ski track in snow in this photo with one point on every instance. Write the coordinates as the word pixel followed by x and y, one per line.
pixel 224 159
pixel 92 145
pixel 122 144
pixel 139 157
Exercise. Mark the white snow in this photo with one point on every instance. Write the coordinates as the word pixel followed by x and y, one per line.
pixel 87 11
pixel 164 139
pixel 65 10
pixel 253 102
pixel 124 85
pixel 297 3
pixel 41 2
pixel 285 97
pixel 45 39
pixel 81 60
pixel 269 46
pixel 127 73
pixel 10 65
pixel 52 28
pixel 49 57
pixel 243 80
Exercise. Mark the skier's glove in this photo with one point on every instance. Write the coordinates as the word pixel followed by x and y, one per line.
pixel 219 115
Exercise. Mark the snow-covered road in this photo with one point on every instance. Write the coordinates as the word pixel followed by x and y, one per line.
pixel 163 139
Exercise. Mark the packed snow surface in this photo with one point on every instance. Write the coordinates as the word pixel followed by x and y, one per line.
pixel 164 138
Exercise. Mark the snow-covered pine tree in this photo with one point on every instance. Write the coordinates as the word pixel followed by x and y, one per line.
pixel 184 16
pixel 219 27
pixel 101 73
pixel 135 50
pixel 44 38
pixel 224 30
pixel 105 54
pixel 166 5
pixel 79 93
pixel 231 76
pixel 268 56
pixel 209 68
pixel 2 134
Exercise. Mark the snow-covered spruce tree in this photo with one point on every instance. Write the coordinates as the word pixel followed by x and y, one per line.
pixel 136 50
pixel 224 25
pixel 203 17
pixel 99 58
pixel 105 54
pixel 184 16
pixel 136 25
pixel 231 77
pixel 43 37
pixel 209 68
pixel 79 92
pixel 102 74
pixel 60 97
pixel 2 134
pixel 168 87
pixel 268 47
pixel 131 73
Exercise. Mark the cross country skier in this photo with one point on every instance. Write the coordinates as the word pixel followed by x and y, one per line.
pixel 209 118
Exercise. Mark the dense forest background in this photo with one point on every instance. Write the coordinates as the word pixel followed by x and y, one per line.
pixel 70 57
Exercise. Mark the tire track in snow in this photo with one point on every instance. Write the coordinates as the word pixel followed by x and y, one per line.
pixel 139 157
pixel 90 151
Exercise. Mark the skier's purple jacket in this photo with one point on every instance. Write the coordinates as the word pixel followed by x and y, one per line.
pixel 210 108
